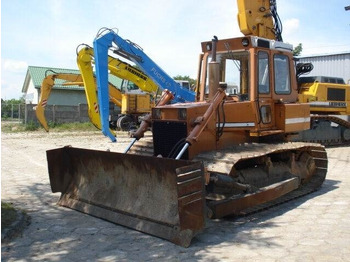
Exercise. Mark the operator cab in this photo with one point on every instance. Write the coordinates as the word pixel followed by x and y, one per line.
pixel 252 67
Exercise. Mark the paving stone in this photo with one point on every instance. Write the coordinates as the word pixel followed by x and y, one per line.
pixel 313 228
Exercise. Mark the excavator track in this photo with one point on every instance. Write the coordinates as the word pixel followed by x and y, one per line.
pixel 327 130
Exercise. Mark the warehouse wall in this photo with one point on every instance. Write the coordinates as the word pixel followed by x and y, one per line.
pixel 336 65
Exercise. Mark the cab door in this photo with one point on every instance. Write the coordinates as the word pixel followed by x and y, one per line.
pixel 264 101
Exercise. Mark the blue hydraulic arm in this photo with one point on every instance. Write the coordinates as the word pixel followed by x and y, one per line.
pixel 132 52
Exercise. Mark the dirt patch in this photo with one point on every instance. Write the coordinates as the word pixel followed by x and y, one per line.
pixel 13 222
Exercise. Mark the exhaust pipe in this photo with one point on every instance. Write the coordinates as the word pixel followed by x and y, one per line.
pixel 214 71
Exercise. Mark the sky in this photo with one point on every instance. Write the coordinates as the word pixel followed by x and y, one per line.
pixel 47 32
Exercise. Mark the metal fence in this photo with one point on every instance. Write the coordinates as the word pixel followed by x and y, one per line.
pixel 12 111
pixel 57 114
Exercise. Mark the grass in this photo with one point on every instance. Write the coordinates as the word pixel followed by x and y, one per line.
pixel 87 126
pixel 15 127
pixel 8 215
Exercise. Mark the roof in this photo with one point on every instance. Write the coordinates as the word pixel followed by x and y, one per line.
pixel 321 79
pixel 36 74
pixel 325 54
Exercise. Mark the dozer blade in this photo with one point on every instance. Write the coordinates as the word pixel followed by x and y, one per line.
pixel 159 196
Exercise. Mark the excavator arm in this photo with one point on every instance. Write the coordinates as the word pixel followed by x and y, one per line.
pixel 45 91
pixel 117 68
pixel 73 79
pixel 125 48
pixel 126 71
pixel 85 60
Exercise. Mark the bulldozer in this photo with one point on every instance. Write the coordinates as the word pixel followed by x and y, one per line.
pixel 219 152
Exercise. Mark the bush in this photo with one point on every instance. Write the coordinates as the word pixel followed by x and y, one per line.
pixel 86 126
pixel 31 126
pixel 10 127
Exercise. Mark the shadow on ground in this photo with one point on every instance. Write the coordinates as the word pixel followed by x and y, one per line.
pixel 61 234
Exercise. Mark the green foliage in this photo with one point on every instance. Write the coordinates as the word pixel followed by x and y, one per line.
pixel 10 108
pixel 186 78
pixel 8 215
pixel 31 126
pixel 298 49
pixel 13 101
pixel 15 127
pixel 86 126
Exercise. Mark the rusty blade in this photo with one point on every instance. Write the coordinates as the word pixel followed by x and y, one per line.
pixel 158 196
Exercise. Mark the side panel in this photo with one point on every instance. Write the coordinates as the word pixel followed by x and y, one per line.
pixel 326 97
pixel 136 103
pixel 292 117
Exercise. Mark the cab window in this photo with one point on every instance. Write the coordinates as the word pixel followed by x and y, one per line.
pixel 263 73
pixel 282 77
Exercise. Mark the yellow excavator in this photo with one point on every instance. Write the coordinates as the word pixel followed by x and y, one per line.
pixel 133 105
pixel 216 153
pixel 329 100
pixel 71 79
pixel 328 96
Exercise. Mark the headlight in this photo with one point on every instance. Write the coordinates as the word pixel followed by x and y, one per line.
pixel 245 42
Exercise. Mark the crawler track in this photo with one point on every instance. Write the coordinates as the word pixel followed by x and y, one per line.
pixel 327 130
pixel 320 157
pixel 223 161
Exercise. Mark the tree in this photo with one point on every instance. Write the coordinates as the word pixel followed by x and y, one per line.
pixel 186 78
pixel 7 106
pixel 298 49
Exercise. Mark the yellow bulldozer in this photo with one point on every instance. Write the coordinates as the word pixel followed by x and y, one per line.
pixel 220 151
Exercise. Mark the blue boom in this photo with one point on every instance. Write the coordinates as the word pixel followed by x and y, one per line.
pixel 131 51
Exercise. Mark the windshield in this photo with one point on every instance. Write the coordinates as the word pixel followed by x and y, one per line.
pixel 234 72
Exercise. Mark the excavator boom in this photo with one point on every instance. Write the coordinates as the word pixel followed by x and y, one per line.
pixel 135 54
pixel 259 18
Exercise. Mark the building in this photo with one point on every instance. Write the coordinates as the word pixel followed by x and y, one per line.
pixel 67 95
pixel 60 95
pixel 334 65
